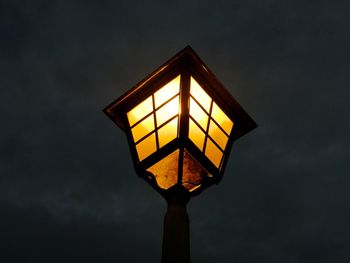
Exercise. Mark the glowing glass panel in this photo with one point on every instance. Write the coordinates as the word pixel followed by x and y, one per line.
pixel 200 95
pixel 221 118
pixel 146 147
pixel 143 128
pixel 166 170
pixel 213 153
pixel 167 111
pixel 218 135
pixel 166 92
pixel 193 173
pixel 168 132
pixel 140 111
pixel 198 114
pixel 196 135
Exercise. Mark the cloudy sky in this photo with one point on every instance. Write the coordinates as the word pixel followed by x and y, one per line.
pixel 68 191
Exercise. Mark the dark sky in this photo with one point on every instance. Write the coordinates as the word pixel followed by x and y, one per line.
pixel 68 191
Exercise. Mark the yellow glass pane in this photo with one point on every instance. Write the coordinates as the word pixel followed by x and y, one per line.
pixel 221 118
pixel 200 95
pixel 143 128
pixel 168 132
pixel 196 135
pixel 192 173
pixel 140 111
pixel 166 92
pixel 167 111
pixel 213 153
pixel 146 147
pixel 166 170
pixel 218 135
pixel 198 114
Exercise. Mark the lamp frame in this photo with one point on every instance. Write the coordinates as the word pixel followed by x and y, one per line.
pixel 186 63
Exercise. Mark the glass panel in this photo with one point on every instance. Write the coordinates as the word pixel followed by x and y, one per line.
pixel 166 92
pixel 198 114
pixel 196 135
pixel 140 111
pixel 221 118
pixel 213 153
pixel 167 111
pixel 146 147
pixel 168 132
pixel 200 95
pixel 218 135
pixel 143 128
pixel 192 173
pixel 166 170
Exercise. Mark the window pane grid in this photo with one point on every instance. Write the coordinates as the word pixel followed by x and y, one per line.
pixel 197 91
pixel 217 135
pixel 196 134
pixel 161 105
pixel 146 147
pixel 197 113
pixel 140 111
pixel 157 128
pixel 206 133
pixel 212 121
pixel 199 104
pixel 166 92
pixel 211 117
pixel 222 119
pixel 143 128
pixel 228 135
pixel 169 110
pixel 168 132
pixel 213 153
pixel 199 126
pixel 149 133
pixel 149 114
pixel 217 145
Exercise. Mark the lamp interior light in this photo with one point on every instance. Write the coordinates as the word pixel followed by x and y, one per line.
pixel 154 122
pixel 209 126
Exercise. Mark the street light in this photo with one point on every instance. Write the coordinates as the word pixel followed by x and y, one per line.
pixel 180 124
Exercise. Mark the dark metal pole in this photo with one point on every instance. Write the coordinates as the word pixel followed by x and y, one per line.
pixel 176 235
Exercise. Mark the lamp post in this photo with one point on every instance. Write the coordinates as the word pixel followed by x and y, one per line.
pixel 180 124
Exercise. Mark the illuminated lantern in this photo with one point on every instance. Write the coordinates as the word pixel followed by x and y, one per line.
pixel 180 122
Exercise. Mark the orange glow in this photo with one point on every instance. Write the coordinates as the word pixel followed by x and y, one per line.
pixel 146 147
pixel 193 173
pixel 198 114
pixel 167 92
pixel 196 135
pixel 221 118
pixel 209 124
pixel 163 114
pixel 168 132
pixel 200 95
pixel 168 111
pixel 140 111
pixel 213 153
pixel 214 130
pixel 143 128
pixel 218 135
pixel 166 170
